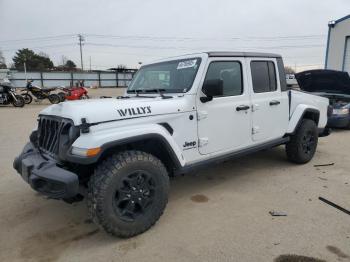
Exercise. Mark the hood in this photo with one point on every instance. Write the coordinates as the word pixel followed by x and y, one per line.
pixel 112 109
pixel 325 81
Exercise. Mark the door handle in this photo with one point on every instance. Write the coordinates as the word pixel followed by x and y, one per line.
pixel 242 107
pixel 274 103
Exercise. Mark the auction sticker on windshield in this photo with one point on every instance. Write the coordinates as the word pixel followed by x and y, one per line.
pixel 187 64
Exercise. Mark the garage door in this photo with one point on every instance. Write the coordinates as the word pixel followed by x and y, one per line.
pixel 347 56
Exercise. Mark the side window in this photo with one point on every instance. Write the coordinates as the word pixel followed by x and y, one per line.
pixel 263 76
pixel 231 75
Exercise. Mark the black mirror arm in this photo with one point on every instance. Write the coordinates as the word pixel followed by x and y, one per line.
pixel 205 99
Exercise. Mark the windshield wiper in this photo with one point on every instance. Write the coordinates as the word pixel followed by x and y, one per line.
pixel 137 92
pixel 160 91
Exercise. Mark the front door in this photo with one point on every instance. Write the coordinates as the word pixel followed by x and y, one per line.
pixel 224 123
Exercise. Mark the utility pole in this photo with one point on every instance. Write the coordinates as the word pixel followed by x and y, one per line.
pixel 25 70
pixel 90 63
pixel 81 40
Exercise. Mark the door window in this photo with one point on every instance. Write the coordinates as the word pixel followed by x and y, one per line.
pixel 230 73
pixel 263 76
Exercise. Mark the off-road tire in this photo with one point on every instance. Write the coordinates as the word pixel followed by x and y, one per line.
pixel 54 98
pixel 20 101
pixel 302 145
pixel 107 180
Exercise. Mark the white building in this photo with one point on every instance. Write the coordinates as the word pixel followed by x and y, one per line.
pixel 338 45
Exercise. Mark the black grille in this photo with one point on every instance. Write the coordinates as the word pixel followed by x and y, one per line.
pixel 50 130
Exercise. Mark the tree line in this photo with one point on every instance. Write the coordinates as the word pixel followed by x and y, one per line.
pixel 36 62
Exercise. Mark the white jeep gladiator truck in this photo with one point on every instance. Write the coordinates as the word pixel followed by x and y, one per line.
pixel 178 114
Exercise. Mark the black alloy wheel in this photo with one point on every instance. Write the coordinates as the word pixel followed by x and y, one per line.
pixel 134 195
pixel 308 142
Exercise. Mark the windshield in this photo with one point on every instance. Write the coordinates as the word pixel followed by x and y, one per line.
pixel 171 77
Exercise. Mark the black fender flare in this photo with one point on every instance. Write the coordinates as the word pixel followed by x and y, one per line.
pixel 91 160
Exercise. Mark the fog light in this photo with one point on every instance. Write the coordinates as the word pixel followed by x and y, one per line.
pixel 89 152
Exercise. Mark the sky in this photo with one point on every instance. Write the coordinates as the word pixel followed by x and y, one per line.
pixel 128 32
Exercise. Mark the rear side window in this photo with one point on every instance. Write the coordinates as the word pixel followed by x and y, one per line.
pixel 263 76
pixel 230 72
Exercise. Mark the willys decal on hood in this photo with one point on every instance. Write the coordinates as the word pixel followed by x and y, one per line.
pixel 135 111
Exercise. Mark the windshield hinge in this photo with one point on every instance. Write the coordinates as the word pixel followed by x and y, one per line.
pixel 84 127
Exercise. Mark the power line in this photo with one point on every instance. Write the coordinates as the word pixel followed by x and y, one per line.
pixel 202 48
pixel 38 38
pixel 247 38
pixel 39 47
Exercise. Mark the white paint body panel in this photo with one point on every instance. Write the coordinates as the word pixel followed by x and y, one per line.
pixel 302 101
pixel 268 121
pixel 220 129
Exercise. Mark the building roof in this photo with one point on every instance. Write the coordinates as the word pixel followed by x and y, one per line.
pixel 241 54
pixel 333 23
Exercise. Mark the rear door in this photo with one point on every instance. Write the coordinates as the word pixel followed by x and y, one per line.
pixel 270 108
pixel 224 123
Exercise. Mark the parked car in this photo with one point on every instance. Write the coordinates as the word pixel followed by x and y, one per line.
pixel 291 81
pixel 335 85
pixel 177 115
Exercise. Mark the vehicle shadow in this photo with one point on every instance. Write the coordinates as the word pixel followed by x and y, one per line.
pixel 184 186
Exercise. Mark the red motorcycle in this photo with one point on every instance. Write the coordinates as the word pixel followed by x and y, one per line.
pixel 74 93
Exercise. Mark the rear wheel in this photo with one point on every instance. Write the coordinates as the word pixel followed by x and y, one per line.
pixel 54 98
pixel 27 98
pixel 19 102
pixel 302 145
pixel 128 193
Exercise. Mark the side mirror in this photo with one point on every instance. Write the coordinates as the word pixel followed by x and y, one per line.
pixel 212 88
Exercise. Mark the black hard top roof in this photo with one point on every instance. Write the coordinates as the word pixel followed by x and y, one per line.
pixel 241 54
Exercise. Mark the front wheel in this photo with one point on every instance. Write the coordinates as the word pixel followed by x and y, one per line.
pixel 85 96
pixel 62 96
pixel 302 145
pixel 19 102
pixel 128 193
pixel 54 98
pixel 27 98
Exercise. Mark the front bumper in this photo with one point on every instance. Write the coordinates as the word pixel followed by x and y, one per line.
pixel 44 175
pixel 338 121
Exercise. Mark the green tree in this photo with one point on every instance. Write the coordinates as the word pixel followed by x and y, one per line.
pixel 289 70
pixel 33 61
pixel 70 65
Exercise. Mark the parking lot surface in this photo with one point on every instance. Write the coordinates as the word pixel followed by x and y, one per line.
pixel 217 214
